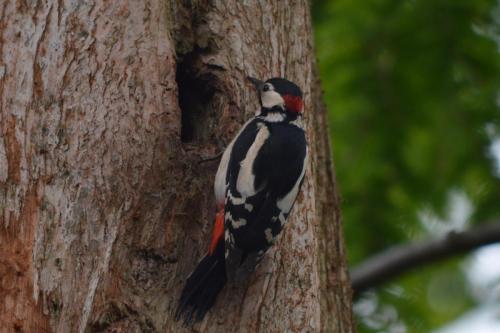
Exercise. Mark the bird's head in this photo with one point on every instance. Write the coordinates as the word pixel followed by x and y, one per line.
pixel 279 93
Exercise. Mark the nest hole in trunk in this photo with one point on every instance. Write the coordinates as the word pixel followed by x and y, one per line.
pixel 196 89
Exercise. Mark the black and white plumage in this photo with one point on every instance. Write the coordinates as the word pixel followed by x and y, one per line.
pixel 255 187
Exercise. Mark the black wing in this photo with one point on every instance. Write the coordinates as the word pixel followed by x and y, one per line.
pixel 253 222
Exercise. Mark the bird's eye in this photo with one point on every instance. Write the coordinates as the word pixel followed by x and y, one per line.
pixel 266 87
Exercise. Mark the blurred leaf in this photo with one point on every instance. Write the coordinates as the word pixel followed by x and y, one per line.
pixel 410 86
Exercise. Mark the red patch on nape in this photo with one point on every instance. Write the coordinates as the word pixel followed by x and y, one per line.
pixel 218 231
pixel 293 103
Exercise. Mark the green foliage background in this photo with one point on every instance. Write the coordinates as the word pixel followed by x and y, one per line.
pixel 412 89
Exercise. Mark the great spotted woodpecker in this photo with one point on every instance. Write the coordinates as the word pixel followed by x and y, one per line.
pixel 256 184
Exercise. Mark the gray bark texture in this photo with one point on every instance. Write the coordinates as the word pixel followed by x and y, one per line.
pixel 108 112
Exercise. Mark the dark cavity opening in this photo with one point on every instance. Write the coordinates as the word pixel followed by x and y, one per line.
pixel 195 100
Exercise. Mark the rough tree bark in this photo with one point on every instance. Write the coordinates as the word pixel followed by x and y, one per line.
pixel 108 109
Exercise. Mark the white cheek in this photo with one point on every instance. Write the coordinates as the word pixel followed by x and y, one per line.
pixel 271 98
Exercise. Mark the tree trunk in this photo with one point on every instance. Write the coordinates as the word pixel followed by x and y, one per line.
pixel 108 112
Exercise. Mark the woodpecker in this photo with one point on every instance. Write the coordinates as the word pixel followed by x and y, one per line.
pixel 256 184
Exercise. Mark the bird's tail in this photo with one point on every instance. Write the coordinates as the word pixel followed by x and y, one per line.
pixel 202 287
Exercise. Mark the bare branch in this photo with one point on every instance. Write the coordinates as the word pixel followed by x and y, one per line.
pixel 399 259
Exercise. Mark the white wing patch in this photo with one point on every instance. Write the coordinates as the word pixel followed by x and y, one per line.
pixel 269 235
pixel 246 178
pixel 238 223
pixel 235 223
pixel 285 203
pixel 220 178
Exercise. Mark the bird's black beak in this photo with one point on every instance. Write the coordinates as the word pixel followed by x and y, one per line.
pixel 257 83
